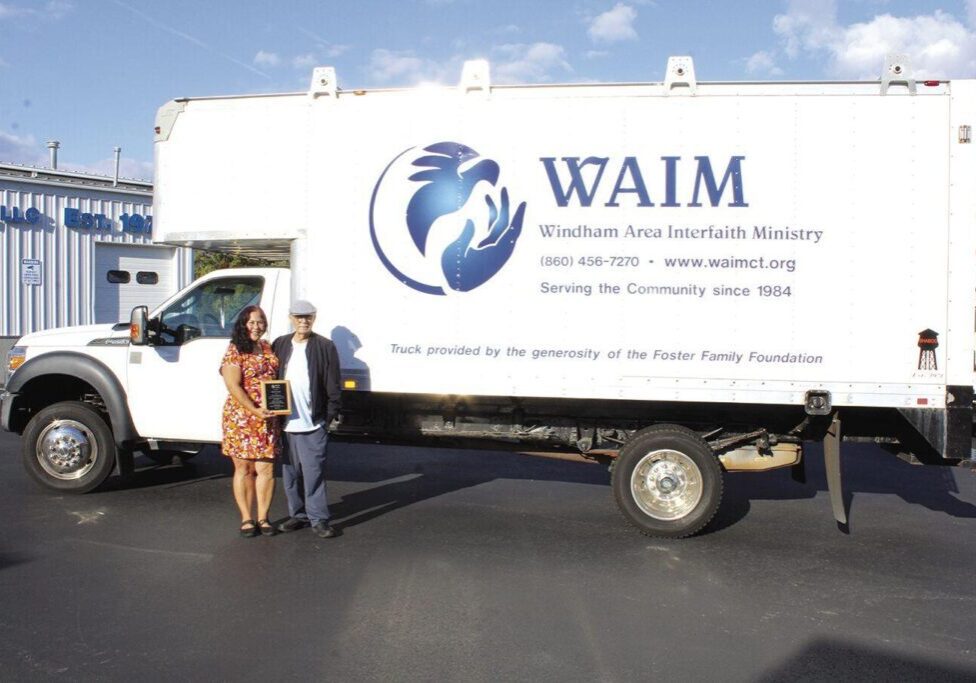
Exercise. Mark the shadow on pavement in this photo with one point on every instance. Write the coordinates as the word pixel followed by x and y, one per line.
pixel 404 475
pixel 829 660
pixel 8 560
pixel 866 469
pixel 409 475
pixel 205 466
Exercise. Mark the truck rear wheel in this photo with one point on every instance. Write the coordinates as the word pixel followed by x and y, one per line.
pixel 68 447
pixel 667 482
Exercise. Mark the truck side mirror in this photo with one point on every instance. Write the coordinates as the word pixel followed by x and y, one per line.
pixel 139 326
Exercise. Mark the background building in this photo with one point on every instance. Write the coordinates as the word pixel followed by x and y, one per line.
pixel 76 249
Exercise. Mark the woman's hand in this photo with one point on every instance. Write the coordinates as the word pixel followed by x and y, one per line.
pixel 263 413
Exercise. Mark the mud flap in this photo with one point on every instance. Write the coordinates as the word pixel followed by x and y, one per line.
pixel 831 449
pixel 124 463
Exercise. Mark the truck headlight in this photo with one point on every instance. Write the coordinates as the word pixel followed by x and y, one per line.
pixel 15 358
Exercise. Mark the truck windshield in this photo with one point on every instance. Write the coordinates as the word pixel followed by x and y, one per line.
pixel 208 310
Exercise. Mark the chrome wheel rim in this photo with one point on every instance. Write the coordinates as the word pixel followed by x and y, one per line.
pixel 66 450
pixel 666 484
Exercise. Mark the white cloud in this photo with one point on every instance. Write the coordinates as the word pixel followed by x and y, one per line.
pixel 21 150
pixel 402 68
pixel 595 54
pixel 333 51
pixel 263 58
pixel 128 168
pixel 938 45
pixel 971 12
pixel 58 9
pixel 7 11
pixel 764 63
pixel 387 65
pixel 614 25
pixel 306 61
pixel 510 63
pixel 27 151
pixel 54 10
pixel 807 23
pixel 533 63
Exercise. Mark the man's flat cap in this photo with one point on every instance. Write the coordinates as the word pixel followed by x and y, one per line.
pixel 301 307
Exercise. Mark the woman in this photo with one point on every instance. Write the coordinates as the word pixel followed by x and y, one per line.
pixel 252 438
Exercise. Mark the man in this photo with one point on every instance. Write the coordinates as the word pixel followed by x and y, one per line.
pixel 311 365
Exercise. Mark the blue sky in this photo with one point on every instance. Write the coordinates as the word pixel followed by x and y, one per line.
pixel 92 73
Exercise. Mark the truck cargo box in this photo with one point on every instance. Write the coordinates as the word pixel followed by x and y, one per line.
pixel 678 241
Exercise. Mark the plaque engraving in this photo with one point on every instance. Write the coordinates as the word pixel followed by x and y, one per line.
pixel 276 396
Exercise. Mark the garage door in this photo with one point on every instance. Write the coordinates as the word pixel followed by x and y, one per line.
pixel 127 276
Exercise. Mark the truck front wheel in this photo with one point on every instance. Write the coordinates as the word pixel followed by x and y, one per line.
pixel 68 447
pixel 667 482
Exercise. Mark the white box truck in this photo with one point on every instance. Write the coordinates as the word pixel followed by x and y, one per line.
pixel 681 279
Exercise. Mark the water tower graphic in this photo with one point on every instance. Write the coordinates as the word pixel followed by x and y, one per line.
pixel 928 342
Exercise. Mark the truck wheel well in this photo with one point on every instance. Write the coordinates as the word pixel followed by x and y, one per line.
pixel 72 376
pixel 46 390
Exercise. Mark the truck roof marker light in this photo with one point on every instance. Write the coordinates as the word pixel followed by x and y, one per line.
pixel 349 384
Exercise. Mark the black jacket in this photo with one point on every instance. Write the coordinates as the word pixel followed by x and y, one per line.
pixel 323 373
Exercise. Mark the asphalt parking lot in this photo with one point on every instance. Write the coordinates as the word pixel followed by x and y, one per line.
pixel 487 566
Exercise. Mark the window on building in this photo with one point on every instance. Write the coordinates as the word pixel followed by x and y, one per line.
pixel 144 277
pixel 118 277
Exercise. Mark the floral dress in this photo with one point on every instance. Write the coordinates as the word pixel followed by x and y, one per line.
pixel 247 436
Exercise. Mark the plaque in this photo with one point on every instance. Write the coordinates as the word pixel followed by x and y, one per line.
pixel 276 396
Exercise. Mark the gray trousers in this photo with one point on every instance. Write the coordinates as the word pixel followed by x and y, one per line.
pixel 303 473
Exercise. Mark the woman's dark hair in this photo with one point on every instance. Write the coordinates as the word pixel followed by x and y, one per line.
pixel 240 337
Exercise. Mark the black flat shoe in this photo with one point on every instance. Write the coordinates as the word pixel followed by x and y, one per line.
pixel 266 528
pixel 249 531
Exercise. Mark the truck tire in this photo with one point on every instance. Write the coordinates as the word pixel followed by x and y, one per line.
pixel 68 447
pixel 667 482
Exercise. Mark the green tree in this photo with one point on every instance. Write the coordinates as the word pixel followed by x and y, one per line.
pixel 208 261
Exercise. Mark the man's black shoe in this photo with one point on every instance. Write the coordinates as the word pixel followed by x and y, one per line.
pixel 292 524
pixel 325 530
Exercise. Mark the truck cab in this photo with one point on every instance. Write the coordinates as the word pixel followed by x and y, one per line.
pixel 86 398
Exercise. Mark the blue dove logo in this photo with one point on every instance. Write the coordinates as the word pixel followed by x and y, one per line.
pixel 457 231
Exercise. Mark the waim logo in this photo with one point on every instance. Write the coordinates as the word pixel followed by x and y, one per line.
pixel 440 221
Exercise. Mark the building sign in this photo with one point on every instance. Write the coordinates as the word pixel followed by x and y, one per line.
pixel 135 223
pixel 31 271
pixel 13 215
pixel 78 219
pixel 75 218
